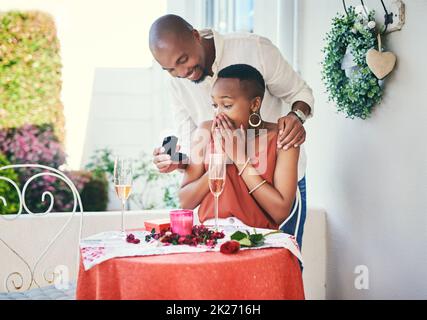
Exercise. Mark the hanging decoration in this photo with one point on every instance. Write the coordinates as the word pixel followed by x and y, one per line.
pixel 380 63
pixel 352 68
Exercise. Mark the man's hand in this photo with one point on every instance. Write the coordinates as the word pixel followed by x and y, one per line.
pixel 163 161
pixel 291 132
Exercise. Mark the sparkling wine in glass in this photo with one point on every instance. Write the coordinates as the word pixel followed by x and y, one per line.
pixel 217 170
pixel 123 185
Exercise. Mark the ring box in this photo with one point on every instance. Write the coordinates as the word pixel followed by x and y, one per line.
pixel 158 225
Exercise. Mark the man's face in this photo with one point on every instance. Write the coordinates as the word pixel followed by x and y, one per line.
pixel 182 58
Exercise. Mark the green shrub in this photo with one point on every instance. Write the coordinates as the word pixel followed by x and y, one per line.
pixel 30 69
pixel 30 87
pixel 7 190
pixel 95 193
pixel 145 175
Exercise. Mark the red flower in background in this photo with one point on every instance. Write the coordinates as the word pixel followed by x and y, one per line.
pixel 230 247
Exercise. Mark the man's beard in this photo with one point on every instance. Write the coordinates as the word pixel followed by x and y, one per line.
pixel 203 77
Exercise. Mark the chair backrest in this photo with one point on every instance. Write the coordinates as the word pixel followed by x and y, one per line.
pixel 16 276
pixel 295 210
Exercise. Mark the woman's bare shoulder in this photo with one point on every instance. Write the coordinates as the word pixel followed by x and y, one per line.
pixel 271 127
pixel 203 130
pixel 205 124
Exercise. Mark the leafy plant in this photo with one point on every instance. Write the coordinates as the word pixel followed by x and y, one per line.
pixel 102 163
pixel 38 145
pixel 145 176
pixel 31 115
pixel 7 190
pixel 30 68
pixel 247 239
pixel 94 193
pixel 355 96
pixel 170 198
pixel 31 144
pixel 63 196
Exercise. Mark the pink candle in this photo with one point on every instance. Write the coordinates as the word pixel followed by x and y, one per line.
pixel 181 221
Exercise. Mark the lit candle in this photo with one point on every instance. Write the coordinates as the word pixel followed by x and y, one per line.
pixel 181 221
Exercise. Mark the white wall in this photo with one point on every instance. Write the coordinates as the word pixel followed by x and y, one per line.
pixel 190 10
pixel 314 254
pixel 371 175
pixel 129 111
pixel 274 19
pixel 129 114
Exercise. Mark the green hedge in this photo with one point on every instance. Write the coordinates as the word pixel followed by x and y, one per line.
pixel 7 190
pixel 95 193
pixel 30 69
pixel 30 87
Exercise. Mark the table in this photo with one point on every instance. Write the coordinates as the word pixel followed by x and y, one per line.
pixel 258 274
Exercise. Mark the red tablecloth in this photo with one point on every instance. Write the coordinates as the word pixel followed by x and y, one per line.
pixel 249 274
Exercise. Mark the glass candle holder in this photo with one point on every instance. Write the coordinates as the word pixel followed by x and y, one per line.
pixel 181 221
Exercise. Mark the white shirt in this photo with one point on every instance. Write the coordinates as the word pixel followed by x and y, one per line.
pixel 192 103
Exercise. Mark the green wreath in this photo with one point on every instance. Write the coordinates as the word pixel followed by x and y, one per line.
pixel 357 91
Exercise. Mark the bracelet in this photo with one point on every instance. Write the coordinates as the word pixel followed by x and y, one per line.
pixel 244 167
pixel 257 186
pixel 300 115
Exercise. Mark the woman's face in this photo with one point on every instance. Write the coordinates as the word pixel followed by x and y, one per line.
pixel 229 98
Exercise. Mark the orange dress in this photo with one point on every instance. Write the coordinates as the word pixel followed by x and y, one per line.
pixel 235 200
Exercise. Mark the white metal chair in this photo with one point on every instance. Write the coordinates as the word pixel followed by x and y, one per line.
pixel 295 210
pixel 14 282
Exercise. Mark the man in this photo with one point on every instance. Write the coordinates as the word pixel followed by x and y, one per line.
pixel 194 58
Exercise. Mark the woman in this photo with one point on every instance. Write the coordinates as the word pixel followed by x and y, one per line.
pixel 260 189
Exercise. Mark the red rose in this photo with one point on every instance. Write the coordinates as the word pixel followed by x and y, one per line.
pixel 210 243
pixel 231 246
pixel 218 235
pixel 131 239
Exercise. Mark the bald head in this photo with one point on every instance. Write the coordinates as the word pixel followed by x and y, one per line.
pixel 169 27
pixel 179 48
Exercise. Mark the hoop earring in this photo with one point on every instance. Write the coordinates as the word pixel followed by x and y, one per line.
pixel 259 120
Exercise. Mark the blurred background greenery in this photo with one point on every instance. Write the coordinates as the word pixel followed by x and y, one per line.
pixel 32 127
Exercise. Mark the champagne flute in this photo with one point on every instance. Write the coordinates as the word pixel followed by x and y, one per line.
pixel 217 170
pixel 123 185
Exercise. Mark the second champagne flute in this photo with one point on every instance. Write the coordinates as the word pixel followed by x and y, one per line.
pixel 217 170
